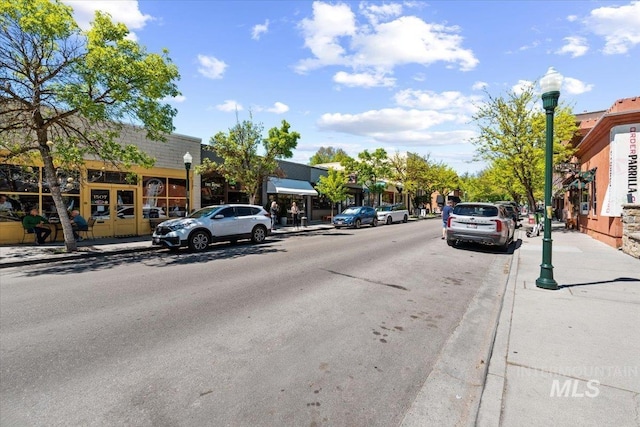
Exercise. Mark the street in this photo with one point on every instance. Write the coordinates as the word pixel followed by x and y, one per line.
pixel 335 327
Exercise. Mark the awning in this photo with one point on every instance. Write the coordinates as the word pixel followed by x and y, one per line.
pixel 577 185
pixel 290 186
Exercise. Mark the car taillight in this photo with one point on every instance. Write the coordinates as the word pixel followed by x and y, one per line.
pixel 498 225
pixel 449 221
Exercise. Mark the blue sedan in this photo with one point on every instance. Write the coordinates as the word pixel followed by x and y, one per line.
pixel 355 217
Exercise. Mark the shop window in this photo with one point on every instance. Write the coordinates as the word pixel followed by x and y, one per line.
pixel 111 177
pixel 100 204
pixel 177 187
pixel 19 179
pixel 49 210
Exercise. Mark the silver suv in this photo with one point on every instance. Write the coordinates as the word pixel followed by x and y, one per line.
pixel 484 223
pixel 229 222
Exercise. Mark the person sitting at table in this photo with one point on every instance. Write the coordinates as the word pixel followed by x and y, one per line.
pixel 5 204
pixel 33 223
pixel 78 223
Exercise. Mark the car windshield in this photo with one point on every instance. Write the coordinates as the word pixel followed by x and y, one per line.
pixel 475 210
pixel 350 211
pixel 204 212
pixel 383 208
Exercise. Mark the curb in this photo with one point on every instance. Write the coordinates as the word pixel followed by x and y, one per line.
pixel 452 393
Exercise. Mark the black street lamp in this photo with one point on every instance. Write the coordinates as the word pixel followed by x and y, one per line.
pixel 550 85
pixel 188 158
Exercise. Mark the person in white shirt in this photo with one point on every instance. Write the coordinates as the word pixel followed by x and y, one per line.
pixel 5 204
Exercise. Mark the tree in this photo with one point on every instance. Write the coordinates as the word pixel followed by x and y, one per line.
pixel 408 170
pixel 333 186
pixel 241 161
pixel 512 139
pixel 370 170
pixel 443 179
pixel 328 155
pixel 65 93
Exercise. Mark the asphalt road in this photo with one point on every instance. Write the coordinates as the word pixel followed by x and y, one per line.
pixel 339 327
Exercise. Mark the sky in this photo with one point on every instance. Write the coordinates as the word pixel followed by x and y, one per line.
pixel 356 75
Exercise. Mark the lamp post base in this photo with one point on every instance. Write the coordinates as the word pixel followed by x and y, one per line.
pixel 546 280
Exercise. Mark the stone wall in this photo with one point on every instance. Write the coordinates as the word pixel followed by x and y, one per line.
pixel 631 229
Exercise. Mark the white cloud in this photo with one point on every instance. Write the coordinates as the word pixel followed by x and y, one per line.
pixel 124 11
pixel 479 85
pixel 575 87
pixel 260 29
pixel 620 26
pixel 376 13
pixel 521 86
pixel 575 46
pixel 335 38
pixel 449 101
pixel 366 80
pixel 211 67
pixel 572 18
pixel 229 105
pixel 396 125
pixel 278 108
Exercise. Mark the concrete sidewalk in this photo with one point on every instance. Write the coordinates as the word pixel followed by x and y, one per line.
pixel 12 256
pixel 570 356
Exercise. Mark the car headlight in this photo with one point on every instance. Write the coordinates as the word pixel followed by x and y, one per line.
pixel 180 225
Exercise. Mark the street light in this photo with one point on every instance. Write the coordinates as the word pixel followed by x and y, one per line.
pixel 188 158
pixel 550 85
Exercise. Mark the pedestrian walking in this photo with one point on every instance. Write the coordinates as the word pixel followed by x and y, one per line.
pixel 446 212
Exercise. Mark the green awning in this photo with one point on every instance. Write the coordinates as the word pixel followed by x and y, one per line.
pixel 576 184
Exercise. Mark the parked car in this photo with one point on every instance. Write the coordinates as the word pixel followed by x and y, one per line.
pixel 355 217
pixel 484 223
pixel 512 211
pixel 392 213
pixel 515 206
pixel 230 222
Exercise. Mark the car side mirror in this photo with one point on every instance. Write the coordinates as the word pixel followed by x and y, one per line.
pixel 219 216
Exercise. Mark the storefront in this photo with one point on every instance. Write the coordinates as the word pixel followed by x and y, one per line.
pixel 123 203
pixel 605 176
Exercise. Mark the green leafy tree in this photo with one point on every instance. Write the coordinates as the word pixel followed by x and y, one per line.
pixel 333 186
pixel 328 155
pixel 512 140
pixel 370 169
pixel 65 93
pixel 241 160
pixel 443 178
pixel 409 171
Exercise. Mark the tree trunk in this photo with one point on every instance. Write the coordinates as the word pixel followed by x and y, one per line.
pixel 56 194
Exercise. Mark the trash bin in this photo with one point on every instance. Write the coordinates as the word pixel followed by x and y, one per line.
pixel 303 221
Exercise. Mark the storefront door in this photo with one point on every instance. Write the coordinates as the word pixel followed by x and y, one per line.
pixel 115 211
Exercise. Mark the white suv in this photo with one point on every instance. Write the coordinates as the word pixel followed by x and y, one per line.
pixel 214 224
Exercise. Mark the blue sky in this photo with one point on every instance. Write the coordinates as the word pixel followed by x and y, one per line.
pixel 403 76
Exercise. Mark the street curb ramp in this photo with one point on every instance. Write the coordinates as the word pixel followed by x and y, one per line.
pixel 452 392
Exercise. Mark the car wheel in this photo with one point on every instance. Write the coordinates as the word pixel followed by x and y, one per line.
pixel 405 219
pixel 374 223
pixel 357 223
pixel 199 241
pixel 258 234
pixel 505 247
pixel 451 242
pixel 388 221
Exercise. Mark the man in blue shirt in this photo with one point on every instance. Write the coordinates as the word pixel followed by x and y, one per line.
pixel 78 223
pixel 446 212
